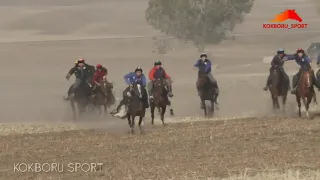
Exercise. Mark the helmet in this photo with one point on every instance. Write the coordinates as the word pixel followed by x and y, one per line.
pixel 300 50
pixel 280 51
pixel 203 55
pixel 81 60
pixel 138 69
pixel 157 63
pixel 98 66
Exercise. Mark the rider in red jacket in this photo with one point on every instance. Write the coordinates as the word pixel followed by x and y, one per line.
pixel 100 73
pixel 157 72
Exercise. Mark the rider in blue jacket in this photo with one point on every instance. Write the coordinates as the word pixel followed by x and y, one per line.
pixel 305 63
pixel 137 77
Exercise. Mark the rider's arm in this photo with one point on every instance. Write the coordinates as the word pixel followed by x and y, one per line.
pixel 127 78
pixel 197 63
pixel 208 66
pixel 307 59
pixel 151 74
pixel 166 75
pixel 144 80
pixel 71 71
pixel 290 57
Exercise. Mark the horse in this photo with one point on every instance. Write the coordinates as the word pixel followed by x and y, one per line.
pixel 279 87
pixel 207 92
pixel 305 90
pixel 101 96
pixel 81 98
pixel 136 107
pixel 160 99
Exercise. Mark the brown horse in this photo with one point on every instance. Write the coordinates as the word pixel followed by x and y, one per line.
pixel 136 107
pixel 102 96
pixel 279 87
pixel 160 99
pixel 207 92
pixel 305 90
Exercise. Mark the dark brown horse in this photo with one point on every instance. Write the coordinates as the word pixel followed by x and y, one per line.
pixel 160 99
pixel 207 92
pixel 279 87
pixel 102 96
pixel 136 107
pixel 305 90
pixel 81 99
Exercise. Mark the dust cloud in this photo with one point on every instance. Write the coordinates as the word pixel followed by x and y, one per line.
pixel 41 39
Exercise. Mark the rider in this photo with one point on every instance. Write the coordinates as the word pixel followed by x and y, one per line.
pixel 277 62
pixel 204 66
pixel 100 73
pixel 305 63
pixel 137 77
pixel 99 76
pixel 83 72
pixel 157 72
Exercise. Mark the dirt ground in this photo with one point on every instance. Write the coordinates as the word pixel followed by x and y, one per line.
pixel 40 40
pixel 199 150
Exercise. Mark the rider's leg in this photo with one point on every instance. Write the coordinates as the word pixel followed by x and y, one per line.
pixel 150 89
pixel 168 84
pixel 214 82
pixel 145 98
pixel 268 81
pixel 295 80
pixel 75 85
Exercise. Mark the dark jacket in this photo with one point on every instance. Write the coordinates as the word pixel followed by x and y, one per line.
pixel 84 73
pixel 203 66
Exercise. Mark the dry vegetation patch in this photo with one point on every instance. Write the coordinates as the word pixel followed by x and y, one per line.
pixel 180 151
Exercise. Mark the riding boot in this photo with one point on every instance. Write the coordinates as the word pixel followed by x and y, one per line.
pixel 268 83
pixel 294 83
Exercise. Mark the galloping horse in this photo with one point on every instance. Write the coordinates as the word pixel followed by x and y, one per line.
pixel 305 90
pixel 207 92
pixel 101 95
pixel 136 107
pixel 279 87
pixel 160 99
pixel 81 98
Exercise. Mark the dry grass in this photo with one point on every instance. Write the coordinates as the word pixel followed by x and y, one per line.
pixel 199 150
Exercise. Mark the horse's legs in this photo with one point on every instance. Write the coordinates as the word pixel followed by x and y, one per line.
pixel 299 105
pixel 132 123
pixel 163 111
pixel 205 108
pixel 315 98
pixel 74 115
pixel 284 102
pixel 105 108
pixel 212 107
pixel 141 124
pixel 307 105
pixel 216 100
pixel 152 108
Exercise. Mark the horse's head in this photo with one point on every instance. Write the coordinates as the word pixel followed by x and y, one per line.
pixel 135 90
pixel 106 86
pixel 159 85
pixel 202 79
pixel 306 78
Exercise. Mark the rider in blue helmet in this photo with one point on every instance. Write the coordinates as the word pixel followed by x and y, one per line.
pixel 277 62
